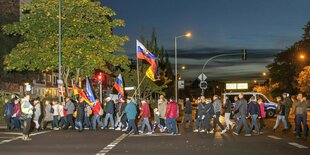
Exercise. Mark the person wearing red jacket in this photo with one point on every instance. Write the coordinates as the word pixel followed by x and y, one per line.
pixel 171 116
pixel 145 114
pixel 96 110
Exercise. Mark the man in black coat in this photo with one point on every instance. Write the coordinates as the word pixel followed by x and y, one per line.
pixel 80 114
pixel 188 113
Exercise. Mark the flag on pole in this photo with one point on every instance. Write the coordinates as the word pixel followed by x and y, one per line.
pixel 89 92
pixel 118 85
pixel 82 94
pixel 144 54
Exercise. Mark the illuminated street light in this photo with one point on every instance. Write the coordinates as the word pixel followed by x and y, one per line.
pixel 264 74
pixel 176 61
pixel 302 56
pixel 183 67
pixel 255 81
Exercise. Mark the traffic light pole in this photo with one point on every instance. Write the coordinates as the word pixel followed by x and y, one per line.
pixel 244 55
pixel 100 91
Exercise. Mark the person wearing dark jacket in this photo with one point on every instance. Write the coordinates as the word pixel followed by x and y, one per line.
pixel 188 113
pixel 109 109
pixel 227 107
pixel 241 113
pixel 254 111
pixel 217 104
pixel 8 112
pixel 131 113
pixel 80 114
pixel 209 113
pixel 288 104
pixel 281 115
pixel 201 109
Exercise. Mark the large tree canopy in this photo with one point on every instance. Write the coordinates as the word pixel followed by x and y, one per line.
pixel 88 41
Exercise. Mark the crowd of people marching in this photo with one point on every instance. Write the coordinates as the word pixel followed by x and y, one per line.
pixel 122 115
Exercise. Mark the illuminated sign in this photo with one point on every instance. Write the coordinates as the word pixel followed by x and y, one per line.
pixel 238 86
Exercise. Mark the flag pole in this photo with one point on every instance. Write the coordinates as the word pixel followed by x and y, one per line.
pixel 138 73
pixel 139 86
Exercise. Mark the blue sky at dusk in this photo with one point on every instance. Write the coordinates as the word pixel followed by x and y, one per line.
pixel 264 27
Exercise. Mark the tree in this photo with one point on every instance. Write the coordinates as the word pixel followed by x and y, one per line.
pixel 304 80
pixel 88 42
pixel 287 64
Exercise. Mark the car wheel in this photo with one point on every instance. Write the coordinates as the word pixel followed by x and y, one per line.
pixel 270 113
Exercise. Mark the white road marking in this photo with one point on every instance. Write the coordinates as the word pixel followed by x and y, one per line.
pixel 112 145
pixel 20 137
pixel 298 145
pixel 274 137
pixel 154 135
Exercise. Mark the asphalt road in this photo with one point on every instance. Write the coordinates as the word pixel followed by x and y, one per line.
pixel 115 142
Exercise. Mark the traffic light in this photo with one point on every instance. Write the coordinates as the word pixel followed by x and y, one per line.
pixel 245 55
pixel 100 77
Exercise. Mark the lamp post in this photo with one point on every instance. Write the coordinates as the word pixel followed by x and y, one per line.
pixel 176 63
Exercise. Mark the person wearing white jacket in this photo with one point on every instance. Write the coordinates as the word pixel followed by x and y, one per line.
pixel 55 110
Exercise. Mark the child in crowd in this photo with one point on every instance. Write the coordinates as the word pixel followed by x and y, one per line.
pixel 156 120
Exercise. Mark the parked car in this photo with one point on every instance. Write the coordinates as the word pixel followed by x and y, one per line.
pixel 270 107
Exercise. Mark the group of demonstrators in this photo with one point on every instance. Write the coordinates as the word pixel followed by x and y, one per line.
pixel 242 110
pixel 122 114
pixel 118 114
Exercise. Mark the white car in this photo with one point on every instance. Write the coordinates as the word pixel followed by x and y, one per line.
pixel 270 107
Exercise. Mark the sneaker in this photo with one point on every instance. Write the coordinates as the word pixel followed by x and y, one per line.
pixel 118 129
pixel 70 127
pixel 111 128
pixel 27 138
pixel 196 130
pixel 235 133
pixel 212 131
pixel 87 128
pixel 149 133
pixel 102 127
pixel 254 131
pixel 76 128
pixel 223 131
pixel 208 132
pixel 124 130
pixel 247 135
pixel 56 128
pixel 140 131
pixel 202 130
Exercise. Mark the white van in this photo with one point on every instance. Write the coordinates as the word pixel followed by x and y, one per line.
pixel 270 107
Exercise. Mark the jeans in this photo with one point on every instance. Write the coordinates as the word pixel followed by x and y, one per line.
pixel 187 117
pixel 227 120
pixel 8 121
pixel 216 120
pixel 242 121
pixel 287 113
pixel 118 120
pixel 27 124
pixel 279 118
pixel 254 122
pixel 124 122
pixel 63 121
pixel 207 121
pixel 132 125
pixel 70 120
pixel 55 121
pixel 107 117
pixel 261 124
pixel 79 124
pixel 147 123
pixel 301 118
pixel 17 122
pixel 199 123
pixel 87 121
pixel 172 123
pixel 96 119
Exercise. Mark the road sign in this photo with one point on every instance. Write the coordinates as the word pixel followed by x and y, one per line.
pixel 203 85
pixel 181 84
pixel 202 77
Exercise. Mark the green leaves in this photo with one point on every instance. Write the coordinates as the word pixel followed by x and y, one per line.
pixel 88 41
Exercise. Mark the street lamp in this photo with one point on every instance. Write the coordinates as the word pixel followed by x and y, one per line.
pixel 302 56
pixel 264 74
pixel 183 67
pixel 176 62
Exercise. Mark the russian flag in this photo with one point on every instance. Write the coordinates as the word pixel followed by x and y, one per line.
pixel 144 54
pixel 89 92
pixel 118 85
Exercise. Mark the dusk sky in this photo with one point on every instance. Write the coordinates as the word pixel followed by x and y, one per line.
pixel 264 27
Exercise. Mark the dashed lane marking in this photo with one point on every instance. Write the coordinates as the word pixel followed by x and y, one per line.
pixel 274 137
pixel 298 145
pixel 112 145
pixel 20 137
